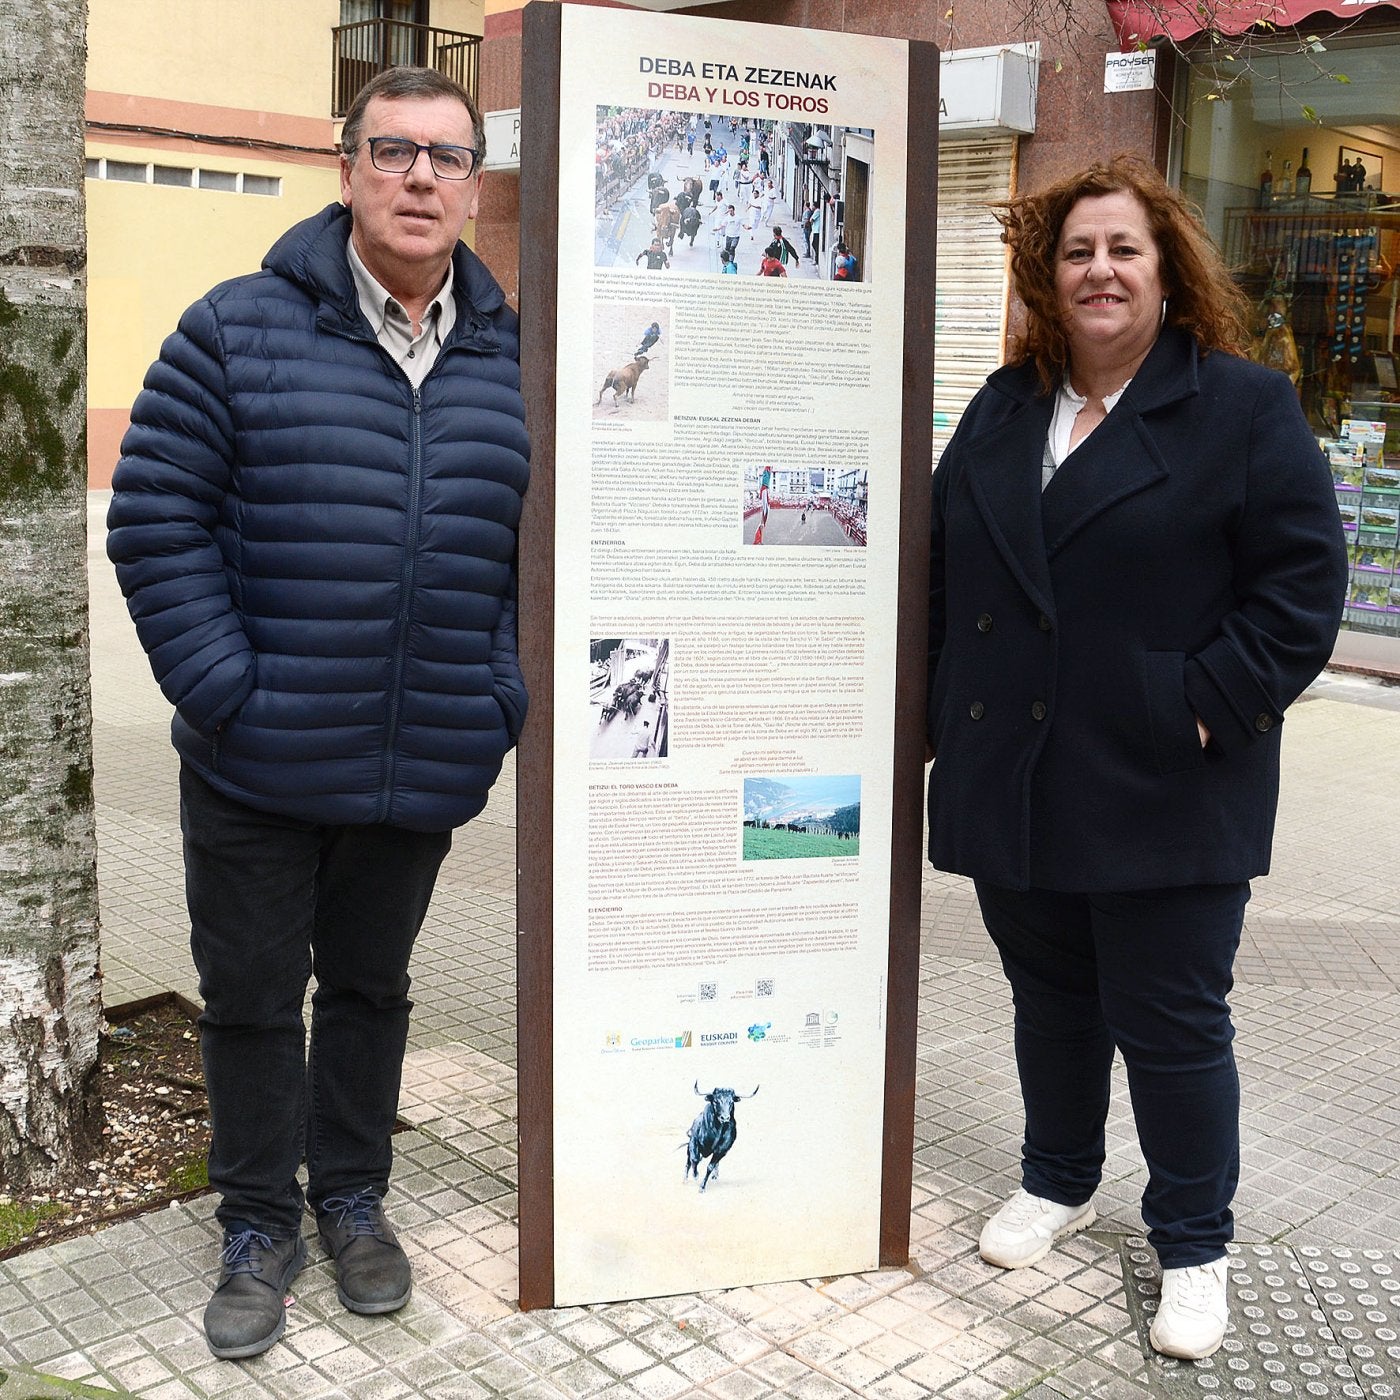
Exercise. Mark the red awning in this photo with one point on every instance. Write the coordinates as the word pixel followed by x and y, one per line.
pixel 1138 23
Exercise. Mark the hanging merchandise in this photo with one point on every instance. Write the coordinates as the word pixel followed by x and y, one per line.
pixel 1275 346
pixel 1356 253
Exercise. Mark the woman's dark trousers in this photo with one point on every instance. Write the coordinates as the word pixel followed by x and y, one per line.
pixel 1149 972
pixel 274 901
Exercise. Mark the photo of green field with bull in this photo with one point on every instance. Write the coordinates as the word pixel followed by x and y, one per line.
pixel 801 817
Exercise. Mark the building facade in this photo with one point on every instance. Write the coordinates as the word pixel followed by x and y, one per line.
pixel 194 168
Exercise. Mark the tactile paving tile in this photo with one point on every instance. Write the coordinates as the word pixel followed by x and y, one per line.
pixel 1305 1321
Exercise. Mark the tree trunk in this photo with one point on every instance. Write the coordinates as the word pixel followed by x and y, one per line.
pixel 50 995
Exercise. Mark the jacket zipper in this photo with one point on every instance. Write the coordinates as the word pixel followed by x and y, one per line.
pixel 406 576
pixel 388 763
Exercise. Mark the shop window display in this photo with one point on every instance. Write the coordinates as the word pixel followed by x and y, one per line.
pixel 1308 214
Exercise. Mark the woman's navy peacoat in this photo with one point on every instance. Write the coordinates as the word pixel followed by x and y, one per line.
pixel 1186 560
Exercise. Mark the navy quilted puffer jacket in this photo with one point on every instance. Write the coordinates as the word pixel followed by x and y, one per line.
pixel 319 559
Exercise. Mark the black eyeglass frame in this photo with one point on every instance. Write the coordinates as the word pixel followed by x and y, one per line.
pixel 418 148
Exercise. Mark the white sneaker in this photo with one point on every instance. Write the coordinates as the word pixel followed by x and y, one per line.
pixel 1023 1230
pixel 1194 1311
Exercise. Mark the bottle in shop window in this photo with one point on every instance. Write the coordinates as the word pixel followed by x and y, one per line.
pixel 1266 181
pixel 1303 185
pixel 1284 184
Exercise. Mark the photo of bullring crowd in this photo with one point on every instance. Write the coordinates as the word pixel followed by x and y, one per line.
pixel 807 507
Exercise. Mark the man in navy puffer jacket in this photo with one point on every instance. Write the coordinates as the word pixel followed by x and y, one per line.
pixel 314 523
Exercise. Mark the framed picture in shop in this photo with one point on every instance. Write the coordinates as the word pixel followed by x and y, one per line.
pixel 1371 164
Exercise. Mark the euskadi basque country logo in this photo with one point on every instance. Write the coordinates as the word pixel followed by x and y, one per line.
pixel 759 1030
pixel 713 1038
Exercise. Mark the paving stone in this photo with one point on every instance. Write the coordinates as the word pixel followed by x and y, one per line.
pixel 1317 1004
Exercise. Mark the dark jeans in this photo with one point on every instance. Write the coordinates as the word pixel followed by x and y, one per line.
pixel 273 900
pixel 1149 972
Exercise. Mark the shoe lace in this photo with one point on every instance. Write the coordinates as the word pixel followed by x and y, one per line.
pixel 238 1256
pixel 1022 1209
pixel 1193 1287
pixel 357 1212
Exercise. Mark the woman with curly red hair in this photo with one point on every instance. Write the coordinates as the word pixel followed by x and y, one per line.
pixel 1137 566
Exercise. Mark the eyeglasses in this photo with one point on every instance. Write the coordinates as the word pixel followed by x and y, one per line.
pixel 396 155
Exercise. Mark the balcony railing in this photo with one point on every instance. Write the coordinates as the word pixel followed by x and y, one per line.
pixel 365 49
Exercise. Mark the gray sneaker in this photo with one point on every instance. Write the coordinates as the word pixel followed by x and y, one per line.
pixel 247 1312
pixel 372 1272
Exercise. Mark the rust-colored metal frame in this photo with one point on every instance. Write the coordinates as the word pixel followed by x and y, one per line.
pixel 539 296
pixel 534 859
pixel 911 654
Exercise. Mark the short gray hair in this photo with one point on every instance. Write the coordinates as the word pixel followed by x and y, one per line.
pixel 409 81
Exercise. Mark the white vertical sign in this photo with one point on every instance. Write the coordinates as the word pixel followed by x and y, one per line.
pixel 728 482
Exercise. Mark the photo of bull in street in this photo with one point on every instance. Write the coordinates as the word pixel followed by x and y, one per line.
pixel 631 345
pixel 680 191
pixel 713 1132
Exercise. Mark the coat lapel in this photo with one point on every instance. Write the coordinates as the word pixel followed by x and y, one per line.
pixel 1005 482
pixel 1121 457
pixel 1116 461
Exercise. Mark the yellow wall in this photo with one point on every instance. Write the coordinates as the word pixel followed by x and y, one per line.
pixel 259 69
pixel 258 54
pixel 152 250
pixel 465 16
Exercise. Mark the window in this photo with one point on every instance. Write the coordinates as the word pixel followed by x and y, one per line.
pixel 182 177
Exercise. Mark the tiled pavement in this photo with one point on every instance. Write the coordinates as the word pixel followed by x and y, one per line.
pixel 1318 1009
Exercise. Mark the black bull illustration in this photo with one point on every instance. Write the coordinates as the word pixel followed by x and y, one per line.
pixel 713 1132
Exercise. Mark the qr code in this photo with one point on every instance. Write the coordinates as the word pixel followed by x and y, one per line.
pixel 763 987
pixel 709 991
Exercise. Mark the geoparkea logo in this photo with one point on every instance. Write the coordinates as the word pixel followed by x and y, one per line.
pixel 678 1041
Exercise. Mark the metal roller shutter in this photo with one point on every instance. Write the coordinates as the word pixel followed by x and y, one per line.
pixel 970 307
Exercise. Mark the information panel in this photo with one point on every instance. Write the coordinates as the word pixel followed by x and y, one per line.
pixel 727 497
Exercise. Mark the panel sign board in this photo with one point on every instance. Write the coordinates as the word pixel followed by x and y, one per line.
pixel 728 405
pixel 502 139
pixel 1130 72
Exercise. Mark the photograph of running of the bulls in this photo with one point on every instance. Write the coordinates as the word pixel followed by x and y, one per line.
pixel 703 192
pixel 805 505
pixel 628 697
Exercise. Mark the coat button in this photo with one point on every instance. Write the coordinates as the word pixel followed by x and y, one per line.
pixel 984 623
pixel 1038 710
pixel 1263 723
pixel 976 710
pixel 1043 623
